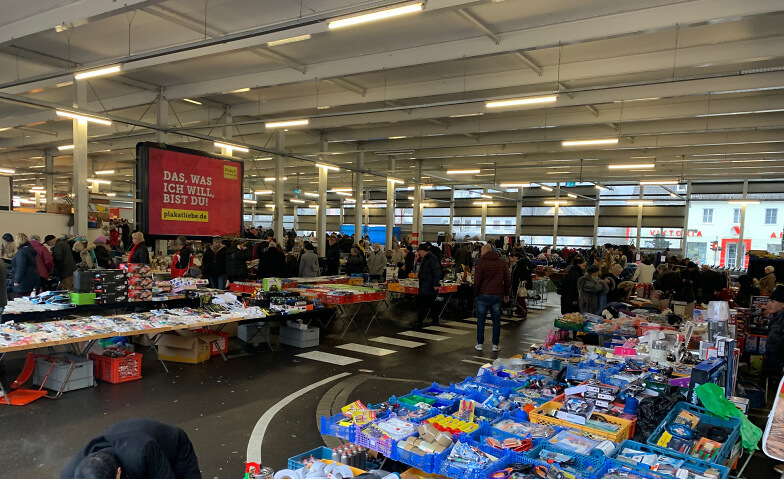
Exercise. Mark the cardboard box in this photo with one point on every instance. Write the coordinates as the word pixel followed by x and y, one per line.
pixel 185 347
pixel 59 208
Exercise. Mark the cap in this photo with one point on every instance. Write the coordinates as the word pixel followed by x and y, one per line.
pixel 100 239
pixel 778 294
pixel 48 238
pixel 8 237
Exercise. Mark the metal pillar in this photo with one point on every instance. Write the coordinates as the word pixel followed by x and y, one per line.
pixel 359 188
pixel 639 219
pixel 452 212
pixel 390 203
pixel 519 214
pixel 81 194
pixel 226 131
pixel 483 228
pixel 416 226
pixel 161 115
pixel 49 176
pixel 685 233
pixel 741 253
pixel 342 211
pixel 596 218
pixel 555 214
pixel 277 215
pixel 321 213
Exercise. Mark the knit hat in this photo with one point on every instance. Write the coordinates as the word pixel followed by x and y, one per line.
pixel 100 239
pixel 47 238
pixel 778 294
pixel 8 237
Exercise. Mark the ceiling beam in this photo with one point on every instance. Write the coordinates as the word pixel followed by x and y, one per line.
pixel 527 60
pixel 347 85
pixel 478 24
pixel 592 109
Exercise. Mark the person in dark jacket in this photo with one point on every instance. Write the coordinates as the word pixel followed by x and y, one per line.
pixel 408 263
pixel 213 263
pixel 136 449
pixel 125 228
pixel 3 289
pixel 237 257
pixel 570 295
pixel 272 263
pixel 356 262
pixel 668 280
pixel 64 264
pixel 773 364
pixel 712 282
pixel 103 254
pixel 591 288
pixel 746 291
pixel 333 256
pixel 691 283
pixel 521 272
pixel 492 285
pixel 25 266
pixel 463 257
pixel 139 253
pixel 429 282
pixel 43 258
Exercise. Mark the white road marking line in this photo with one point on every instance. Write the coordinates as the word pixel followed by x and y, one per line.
pixel 442 329
pixel 474 362
pixel 362 348
pixel 329 358
pixel 257 436
pixel 397 342
pixel 420 335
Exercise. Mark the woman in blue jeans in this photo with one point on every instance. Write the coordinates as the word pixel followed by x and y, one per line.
pixel 491 288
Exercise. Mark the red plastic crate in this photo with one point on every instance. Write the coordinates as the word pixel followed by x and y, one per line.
pixel 117 370
pixel 223 342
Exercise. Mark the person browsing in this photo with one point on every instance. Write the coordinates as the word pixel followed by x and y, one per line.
pixel 492 284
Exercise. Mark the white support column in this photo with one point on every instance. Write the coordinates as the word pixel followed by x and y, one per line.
pixel 321 213
pixel 295 225
pixel 555 214
pixel 741 253
pixel 639 219
pixel 81 194
pixel 226 130
pixel 519 214
pixel 359 188
pixel 685 233
pixel 343 217
pixel 161 115
pixel 49 176
pixel 596 218
pixel 452 211
pixel 277 215
pixel 390 203
pixel 416 226
pixel 483 228
pixel 367 210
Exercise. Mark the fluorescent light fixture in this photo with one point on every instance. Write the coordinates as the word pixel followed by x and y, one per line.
pixel 38 192
pixel 111 194
pixel 426 187
pixel 743 202
pixel 27 202
pixel 240 90
pixel 604 141
pixel 556 203
pixel 639 202
pixel 230 147
pixel 192 101
pixel 350 200
pixel 660 182
pixel 65 147
pixel 294 200
pixel 250 202
pixel 545 188
pixel 397 137
pixel 374 16
pixel 521 101
pixel 462 172
pixel 104 172
pixel 343 193
pixel 464 115
pixel 5 129
pixel 265 158
pixel 571 195
pixel 423 205
pixel 272 178
pixel 75 116
pixel 282 124
pixel 299 38
pixel 37 166
pixel 312 195
pixel 96 73
pixel 269 206
pixel 599 187
pixel 313 206
pixel 486 196
pixel 637 166
pixel 482 203
pixel 327 167
pixel 515 185
pixel 395 181
pixel 323 107
pixel 263 192
pixel 410 198
pixel 38 187
pixel 100 182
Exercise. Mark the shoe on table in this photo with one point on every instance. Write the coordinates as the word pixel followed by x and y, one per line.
pixel 496 347
pixel 478 347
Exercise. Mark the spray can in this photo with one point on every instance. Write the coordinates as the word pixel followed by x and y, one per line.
pixel 335 455
pixel 344 457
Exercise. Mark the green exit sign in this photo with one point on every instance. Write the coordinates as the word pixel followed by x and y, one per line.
pixel 569 184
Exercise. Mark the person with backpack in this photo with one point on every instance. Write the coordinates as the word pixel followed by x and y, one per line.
pixel 25 266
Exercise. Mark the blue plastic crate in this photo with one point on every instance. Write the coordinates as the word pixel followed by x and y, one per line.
pixel 552 363
pixel 434 411
pixel 705 416
pixel 330 427
pixel 426 463
pixel 582 465
pixel 456 471
pixel 613 466
pixel 434 390
pixel 490 429
pixel 690 462
pixel 295 462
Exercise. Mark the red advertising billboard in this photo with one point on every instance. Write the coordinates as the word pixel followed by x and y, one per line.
pixel 188 192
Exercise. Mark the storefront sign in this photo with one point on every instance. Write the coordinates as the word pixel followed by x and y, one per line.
pixel 189 193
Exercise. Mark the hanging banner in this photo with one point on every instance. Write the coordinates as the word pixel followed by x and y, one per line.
pixel 188 192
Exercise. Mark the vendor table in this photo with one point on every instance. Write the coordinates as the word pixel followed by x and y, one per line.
pixel 344 313
pixel 87 309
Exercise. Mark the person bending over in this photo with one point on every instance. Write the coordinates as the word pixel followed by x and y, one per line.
pixel 136 449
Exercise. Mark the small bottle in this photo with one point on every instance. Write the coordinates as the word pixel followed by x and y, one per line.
pixel 344 458
pixel 335 455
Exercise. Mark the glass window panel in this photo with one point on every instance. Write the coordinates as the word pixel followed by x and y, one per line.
pixel 736 216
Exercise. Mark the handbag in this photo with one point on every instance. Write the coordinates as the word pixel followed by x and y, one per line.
pixel 522 292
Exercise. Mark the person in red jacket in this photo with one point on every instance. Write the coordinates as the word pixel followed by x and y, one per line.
pixel 43 258
pixel 491 288
pixel 114 237
pixel 182 259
